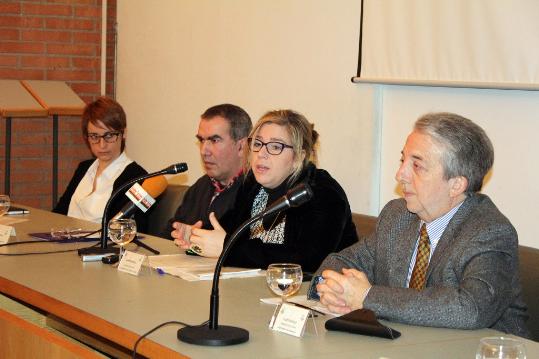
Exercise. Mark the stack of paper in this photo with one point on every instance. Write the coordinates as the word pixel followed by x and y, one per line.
pixel 195 268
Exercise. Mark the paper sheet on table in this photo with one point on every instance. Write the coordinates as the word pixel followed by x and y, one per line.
pixel 10 220
pixel 302 300
pixel 195 268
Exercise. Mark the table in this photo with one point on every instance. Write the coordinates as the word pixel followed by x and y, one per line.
pixel 119 307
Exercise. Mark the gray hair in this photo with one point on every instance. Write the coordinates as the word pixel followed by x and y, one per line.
pixel 468 150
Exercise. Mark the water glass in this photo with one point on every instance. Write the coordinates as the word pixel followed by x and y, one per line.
pixel 284 279
pixel 500 348
pixel 122 231
pixel 5 202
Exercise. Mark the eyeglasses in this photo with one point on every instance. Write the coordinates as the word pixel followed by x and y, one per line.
pixel 109 137
pixel 273 148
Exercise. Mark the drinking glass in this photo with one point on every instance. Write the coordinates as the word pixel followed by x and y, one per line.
pixel 500 348
pixel 4 204
pixel 284 279
pixel 122 231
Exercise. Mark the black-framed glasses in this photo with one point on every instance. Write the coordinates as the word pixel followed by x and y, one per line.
pixel 273 148
pixel 108 137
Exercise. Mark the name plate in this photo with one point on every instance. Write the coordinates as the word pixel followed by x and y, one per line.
pixel 131 263
pixel 290 319
pixel 5 233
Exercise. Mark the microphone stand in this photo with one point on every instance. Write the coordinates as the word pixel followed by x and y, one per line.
pixel 213 334
pixel 102 251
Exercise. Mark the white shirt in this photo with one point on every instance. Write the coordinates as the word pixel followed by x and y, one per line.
pixel 89 205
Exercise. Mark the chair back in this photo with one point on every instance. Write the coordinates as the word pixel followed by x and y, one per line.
pixel 165 208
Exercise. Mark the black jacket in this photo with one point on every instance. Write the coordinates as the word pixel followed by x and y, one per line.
pixel 196 204
pixel 312 231
pixel 132 170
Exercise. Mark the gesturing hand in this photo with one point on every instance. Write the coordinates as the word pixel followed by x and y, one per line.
pixel 182 233
pixel 208 242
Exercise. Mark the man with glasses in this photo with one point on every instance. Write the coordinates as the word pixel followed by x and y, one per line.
pixel 104 130
pixel 222 135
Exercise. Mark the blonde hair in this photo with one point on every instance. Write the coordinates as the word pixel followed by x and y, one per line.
pixel 302 134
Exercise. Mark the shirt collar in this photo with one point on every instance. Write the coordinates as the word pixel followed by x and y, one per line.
pixel 436 228
pixel 219 187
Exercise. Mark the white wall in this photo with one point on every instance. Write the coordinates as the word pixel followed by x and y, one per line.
pixel 176 58
pixel 510 118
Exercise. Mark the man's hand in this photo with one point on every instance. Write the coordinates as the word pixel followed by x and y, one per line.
pixel 343 293
pixel 208 243
pixel 182 233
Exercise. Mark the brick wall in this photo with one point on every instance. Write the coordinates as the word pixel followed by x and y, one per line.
pixel 56 40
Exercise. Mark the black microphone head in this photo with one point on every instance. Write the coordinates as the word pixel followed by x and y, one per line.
pixel 177 168
pixel 299 194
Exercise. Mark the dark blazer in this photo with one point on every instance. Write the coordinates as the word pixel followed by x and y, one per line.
pixel 472 278
pixel 312 231
pixel 131 171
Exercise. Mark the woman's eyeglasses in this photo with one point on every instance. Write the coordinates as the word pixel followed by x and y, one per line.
pixel 273 148
pixel 108 137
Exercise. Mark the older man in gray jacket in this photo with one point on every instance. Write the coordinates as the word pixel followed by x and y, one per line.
pixel 442 256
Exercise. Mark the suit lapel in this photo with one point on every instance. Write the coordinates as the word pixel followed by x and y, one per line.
pixel 403 251
pixel 450 233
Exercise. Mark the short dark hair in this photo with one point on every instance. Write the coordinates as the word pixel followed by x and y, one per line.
pixel 239 120
pixel 106 110
pixel 468 150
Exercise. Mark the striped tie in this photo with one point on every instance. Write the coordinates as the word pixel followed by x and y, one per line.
pixel 418 279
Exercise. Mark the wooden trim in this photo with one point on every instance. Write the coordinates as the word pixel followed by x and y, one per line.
pixel 90 322
pixel 34 94
pixel 22 339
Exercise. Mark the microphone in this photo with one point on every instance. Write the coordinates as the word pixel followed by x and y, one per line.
pixel 153 186
pixel 92 253
pixel 212 334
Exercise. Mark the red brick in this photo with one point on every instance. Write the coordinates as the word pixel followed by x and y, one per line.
pixel 88 11
pixel 34 188
pixel 10 8
pixel 19 21
pixel 87 37
pixel 78 2
pixel 6 60
pixel 86 62
pixel 45 62
pixel 32 125
pixel 70 24
pixel 64 49
pixel 67 75
pixel 27 176
pixel 26 47
pixel 9 34
pixel 15 74
pixel 46 9
pixel 30 151
pixel 31 163
pixel 49 36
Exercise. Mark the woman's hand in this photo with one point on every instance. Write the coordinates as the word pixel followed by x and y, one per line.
pixel 208 243
pixel 182 233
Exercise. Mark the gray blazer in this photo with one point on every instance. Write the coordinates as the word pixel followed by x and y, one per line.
pixel 472 279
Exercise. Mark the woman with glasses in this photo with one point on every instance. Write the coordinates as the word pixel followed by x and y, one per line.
pixel 280 155
pixel 104 130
